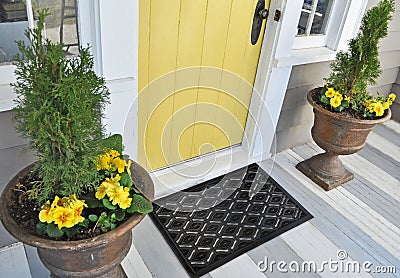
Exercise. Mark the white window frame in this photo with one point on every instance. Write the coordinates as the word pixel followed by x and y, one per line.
pixel 318 40
pixel 343 24
pixel 336 23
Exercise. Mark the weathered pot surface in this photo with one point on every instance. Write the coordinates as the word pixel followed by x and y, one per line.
pixel 99 256
pixel 337 135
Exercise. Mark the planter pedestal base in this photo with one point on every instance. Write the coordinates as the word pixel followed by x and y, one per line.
pixel 326 170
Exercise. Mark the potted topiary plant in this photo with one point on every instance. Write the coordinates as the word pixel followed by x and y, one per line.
pixel 344 111
pixel 78 203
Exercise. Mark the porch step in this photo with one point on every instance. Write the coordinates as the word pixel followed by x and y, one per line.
pixel 13 261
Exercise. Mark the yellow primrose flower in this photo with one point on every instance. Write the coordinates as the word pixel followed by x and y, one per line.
pixel 371 107
pixel 104 162
pixel 125 203
pixel 101 191
pixel 46 215
pixel 107 186
pixel 117 195
pixel 56 202
pixel 113 153
pixel 330 92
pixel 335 101
pixel 392 97
pixel 346 98
pixel 63 217
pixel 119 164
pixel 128 166
pixel 109 182
pixel 386 105
pixel 78 218
pixel 338 95
pixel 378 109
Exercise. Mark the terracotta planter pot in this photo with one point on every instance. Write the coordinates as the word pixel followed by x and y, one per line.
pixel 99 256
pixel 337 135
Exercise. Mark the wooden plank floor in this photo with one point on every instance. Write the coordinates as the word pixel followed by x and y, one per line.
pixel 361 218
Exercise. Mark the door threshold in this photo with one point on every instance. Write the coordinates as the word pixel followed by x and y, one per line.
pixel 194 171
pixel 191 162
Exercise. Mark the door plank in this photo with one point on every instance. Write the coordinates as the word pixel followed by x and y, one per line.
pixel 190 47
pixel 164 22
pixel 248 73
pixel 215 36
pixel 235 52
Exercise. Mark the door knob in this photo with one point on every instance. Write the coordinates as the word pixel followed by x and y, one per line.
pixel 260 14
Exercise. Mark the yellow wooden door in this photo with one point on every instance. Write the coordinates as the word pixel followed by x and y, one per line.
pixel 196 71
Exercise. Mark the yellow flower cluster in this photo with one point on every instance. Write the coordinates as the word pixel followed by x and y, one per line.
pixel 378 107
pixel 335 97
pixel 65 212
pixel 111 161
pixel 116 193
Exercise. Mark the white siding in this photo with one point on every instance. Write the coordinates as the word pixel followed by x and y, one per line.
pixel 13 157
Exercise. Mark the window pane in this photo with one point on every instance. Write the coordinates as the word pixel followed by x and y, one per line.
pixel 314 17
pixel 305 14
pixel 13 22
pixel 321 17
pixel 61 24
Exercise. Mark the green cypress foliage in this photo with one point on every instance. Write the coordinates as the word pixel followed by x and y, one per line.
pixel 60 103
pixel 359 66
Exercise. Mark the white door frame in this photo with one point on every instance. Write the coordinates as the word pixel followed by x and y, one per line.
pixel 110 29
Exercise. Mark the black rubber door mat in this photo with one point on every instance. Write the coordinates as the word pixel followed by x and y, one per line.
pixel 216 221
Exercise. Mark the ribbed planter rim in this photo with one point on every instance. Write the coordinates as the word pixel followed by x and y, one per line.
pixel 31 239
pixel 339 116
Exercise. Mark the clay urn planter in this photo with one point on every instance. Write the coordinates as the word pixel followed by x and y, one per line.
pixel 338 135
pixel 99 256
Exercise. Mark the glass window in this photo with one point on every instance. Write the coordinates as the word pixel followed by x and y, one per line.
pixel 13 22
pixel 314 17
pixel 61 24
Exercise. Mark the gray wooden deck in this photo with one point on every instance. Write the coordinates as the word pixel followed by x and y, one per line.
pixel 361 218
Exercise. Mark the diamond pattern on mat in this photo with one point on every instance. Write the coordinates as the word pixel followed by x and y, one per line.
pixel 211 221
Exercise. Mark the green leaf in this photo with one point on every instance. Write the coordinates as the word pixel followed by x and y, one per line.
pixel 71 232
pixel 41 228
pixel 339 108
pixel 84 223
pixel 53 231
pixel 126 180
pixel 324 100
pixel 113 226
pixel 108 204
pixel 93 203
pixel 114 142
pixel 93 217
pixel 106 222
pixel 140 205
pixel 119 215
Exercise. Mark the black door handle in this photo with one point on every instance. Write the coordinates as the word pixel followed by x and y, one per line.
pixel 259 15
